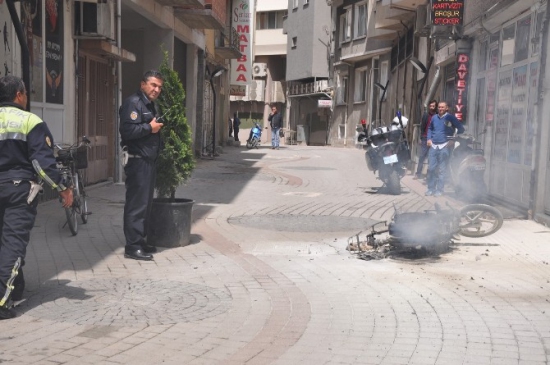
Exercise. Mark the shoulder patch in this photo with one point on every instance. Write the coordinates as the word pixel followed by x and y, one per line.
pixel 48 141
pixel 133 115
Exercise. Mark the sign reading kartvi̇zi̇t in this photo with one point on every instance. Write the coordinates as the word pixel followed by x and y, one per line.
pixel 447 12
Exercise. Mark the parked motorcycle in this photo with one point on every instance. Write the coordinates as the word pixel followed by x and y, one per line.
pixel 255 136
pixel 467 165
pixel 387 151
pixel 434 230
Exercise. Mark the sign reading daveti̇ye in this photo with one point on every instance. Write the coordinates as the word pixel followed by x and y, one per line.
pixel 447 12
pixel 241 68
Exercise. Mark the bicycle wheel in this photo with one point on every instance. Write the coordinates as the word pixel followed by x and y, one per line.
pixel 479 220
pixel 72 220
pixel 83 203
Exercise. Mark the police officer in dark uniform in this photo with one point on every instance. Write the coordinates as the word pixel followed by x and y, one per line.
pixel 26 154
pixel 139 131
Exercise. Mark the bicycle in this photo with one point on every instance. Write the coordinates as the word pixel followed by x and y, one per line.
pixel 70 160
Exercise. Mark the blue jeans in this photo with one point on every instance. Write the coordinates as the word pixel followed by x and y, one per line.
pixel 422 157
pixel 275 137
pixel 437 168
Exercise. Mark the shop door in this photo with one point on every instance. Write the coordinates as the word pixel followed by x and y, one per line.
pixel 96 116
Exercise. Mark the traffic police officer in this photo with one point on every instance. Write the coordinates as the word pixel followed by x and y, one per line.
pixel 26 150
pixel 139 131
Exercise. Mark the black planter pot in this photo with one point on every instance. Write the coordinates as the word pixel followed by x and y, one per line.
pixel 170 222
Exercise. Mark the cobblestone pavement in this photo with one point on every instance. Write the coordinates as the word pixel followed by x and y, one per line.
pixel 267 278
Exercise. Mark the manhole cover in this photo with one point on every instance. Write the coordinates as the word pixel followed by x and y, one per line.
pixel 303 223
pixel 127 301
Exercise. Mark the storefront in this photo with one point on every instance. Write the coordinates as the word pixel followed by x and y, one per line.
pixel 506 82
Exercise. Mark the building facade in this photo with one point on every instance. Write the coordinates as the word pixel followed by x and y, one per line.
pixel 85 57
pixel 491 70
pixel 307 28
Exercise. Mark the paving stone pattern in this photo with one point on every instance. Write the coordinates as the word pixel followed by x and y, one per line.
pixel 267 278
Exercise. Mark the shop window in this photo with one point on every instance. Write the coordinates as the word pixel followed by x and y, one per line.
pixel 537 34
pixel 508 44
pixel 522 39
pixel 360 93
pixel 449 90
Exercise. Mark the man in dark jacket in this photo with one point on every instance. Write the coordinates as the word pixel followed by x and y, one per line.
pixel 26 155
pixel 424 125
pixel 440 133
pixel 139 132
pixel 236 124
pixel 276 122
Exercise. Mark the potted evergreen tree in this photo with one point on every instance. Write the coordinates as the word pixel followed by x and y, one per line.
pixel 170 222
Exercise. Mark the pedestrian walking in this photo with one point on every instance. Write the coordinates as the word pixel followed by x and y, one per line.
pixel 230 127
pixel 139 132
pixel 276 122
pixel 26 155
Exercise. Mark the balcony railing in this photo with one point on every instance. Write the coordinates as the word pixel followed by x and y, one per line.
pixel 296 88
pixel 227 43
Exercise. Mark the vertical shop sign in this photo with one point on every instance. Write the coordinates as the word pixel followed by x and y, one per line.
pixel 31 22
pixel 241 68
pixel 54 51
pixel 462 85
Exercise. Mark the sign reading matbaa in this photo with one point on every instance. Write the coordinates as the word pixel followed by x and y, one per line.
pixel 242 21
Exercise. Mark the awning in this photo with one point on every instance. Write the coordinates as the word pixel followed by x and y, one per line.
pixel 105 49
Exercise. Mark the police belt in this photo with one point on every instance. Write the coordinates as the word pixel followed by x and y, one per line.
pixel 134 156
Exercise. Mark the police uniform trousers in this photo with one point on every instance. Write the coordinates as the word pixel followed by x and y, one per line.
pixel 140 187
pixel 16 221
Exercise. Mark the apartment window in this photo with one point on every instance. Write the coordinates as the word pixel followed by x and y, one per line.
pixel 360 93
pixel 306 2
pixel 360 21
pixel 270 20
pixel 345 26
pixel 294 42
pixel 342 91
pixel 294 4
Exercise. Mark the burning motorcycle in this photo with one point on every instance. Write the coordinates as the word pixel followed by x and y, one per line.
pixel 387 151
pixel 433 230
pixel 467 165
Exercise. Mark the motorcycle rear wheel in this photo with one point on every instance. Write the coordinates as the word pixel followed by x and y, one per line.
pixel 479 220
pixel 394 185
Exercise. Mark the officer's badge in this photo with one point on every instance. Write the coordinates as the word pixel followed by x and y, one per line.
pixel 48 141
pixel 133 115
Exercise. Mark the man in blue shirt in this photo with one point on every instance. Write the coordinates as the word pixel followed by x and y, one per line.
pixel 440 142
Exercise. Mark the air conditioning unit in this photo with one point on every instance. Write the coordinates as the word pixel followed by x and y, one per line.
pixel 259 69
pixel 422 26
pixel 97 20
